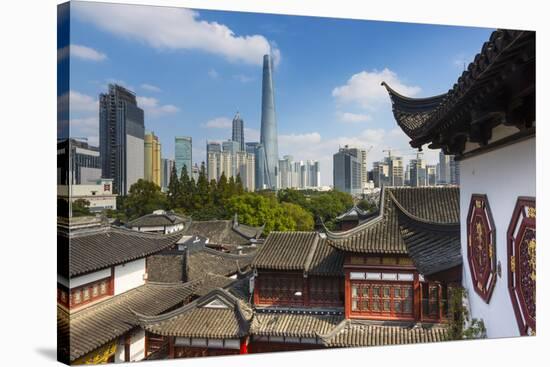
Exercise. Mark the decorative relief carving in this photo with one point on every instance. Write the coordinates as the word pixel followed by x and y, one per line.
pixel 481 246
pixel 522 272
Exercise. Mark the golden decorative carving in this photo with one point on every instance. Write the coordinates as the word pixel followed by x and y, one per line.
pixel 531 212
pixel 513 264
pixel 532 253
pixel 478 204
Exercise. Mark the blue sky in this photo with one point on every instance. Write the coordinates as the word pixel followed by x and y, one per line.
pixel 192 70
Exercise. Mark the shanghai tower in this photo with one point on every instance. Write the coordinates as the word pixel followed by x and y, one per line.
pixel 268 130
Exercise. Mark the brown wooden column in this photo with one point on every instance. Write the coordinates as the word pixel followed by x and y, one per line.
pixel 347 295
pixel 305 290
pixel 417 294
pixel 171 351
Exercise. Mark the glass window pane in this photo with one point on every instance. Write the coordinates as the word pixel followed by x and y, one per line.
pixel 386 305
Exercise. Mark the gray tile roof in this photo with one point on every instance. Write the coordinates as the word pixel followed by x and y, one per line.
pixel 326 260
pixel 96 325
pixel 157 220
pixel 298 325
pixel 209 261
pixel 382 234
pixel 219 314
pixel 224 231
pixel 98 249
pixel 362 333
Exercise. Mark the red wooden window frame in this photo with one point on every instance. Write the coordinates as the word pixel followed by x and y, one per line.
pixel 280 289
pixel 396 296
pixel 91 292
pixel 481 237
pixel 325 291
pixel 522 264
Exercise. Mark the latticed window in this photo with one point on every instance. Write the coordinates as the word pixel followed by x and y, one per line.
pixel 379 299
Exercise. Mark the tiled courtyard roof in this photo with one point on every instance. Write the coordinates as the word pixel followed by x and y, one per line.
pixel 108 246
pixel 216 262
pixel 219 315
pixel 224 232
pixel 301 251
pixel 101 323
pixel 382 234
pixel 359 333
pixel 296 325
pixel 157 220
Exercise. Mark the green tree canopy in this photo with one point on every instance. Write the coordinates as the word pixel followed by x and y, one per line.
pixel 143 198
pixel 80 207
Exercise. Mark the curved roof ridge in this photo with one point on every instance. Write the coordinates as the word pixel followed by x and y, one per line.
pixel 227 255
pixel 433 99
pixel 419 219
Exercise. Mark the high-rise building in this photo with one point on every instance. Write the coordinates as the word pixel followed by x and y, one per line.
pixel 444 168
pixel 213 147
pixel 121 133
pixel 251 147
pixel 381 174
pixel 165 172
pixel 317 174
pixel 285 179
pixel 417 167
pixel 268 129
pixel 231 146
pixel 431 175
pixel 238 131
pixel 184 154
pixel 245 164
pixel 83 161
pixel 347 171
pixel 395 170
pixel 455 171
pixel 195 172
pixel 152 159
pixel 262 175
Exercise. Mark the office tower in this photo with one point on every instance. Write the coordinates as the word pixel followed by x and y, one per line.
pixel 166 171
pixel 195 172
pixel 417 168
pixel 226 164
pixel 444 168
pixel 263 181
pixel 347 171
pixel 381 174
pixel 364 171
pixel 295 178
pixel 183 153
pixel 317 174
pixel 454 171
pixel 212 165
pixel 121 133
pixel 231 146
pixel 84 162
pixel 268 129
pixel 431 175
pixel 395 171
pixel 238 131
pixel 152 160
pixel 213 147
pixel 251 147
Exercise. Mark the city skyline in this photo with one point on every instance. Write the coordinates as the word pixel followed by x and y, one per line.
pixel 196 89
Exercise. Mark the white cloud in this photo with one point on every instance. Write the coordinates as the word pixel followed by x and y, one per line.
pixel 153 108
pixel 299 139
pixel 213 74
pixel 167 28
pixel 80 102
pixel 364 88
pixel 150 88
pixel 87 53
pixel 218 123
pixel 350 117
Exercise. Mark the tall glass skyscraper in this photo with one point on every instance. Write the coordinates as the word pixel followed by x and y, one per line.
pixel 268 130
pixel 238 131
pixel 121 134
pixel 184 155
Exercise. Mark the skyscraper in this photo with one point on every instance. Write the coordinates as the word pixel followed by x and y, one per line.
pixel 455 171
pixel 184 154
pixel 166 170
pixel 268 129
pixel 347 171
pixel 261 175
pixel 444 168
pixel 121 133
pixel 395 170
pixel 152 161
pixel 251 147
pixel 418 174
pixel 238 131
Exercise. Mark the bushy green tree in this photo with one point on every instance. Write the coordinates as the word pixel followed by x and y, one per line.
pixel 80 207
pixel 174 189
pixel 302 219
pixel 143 198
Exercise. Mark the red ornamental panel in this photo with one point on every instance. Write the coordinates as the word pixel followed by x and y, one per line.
pixel 481 246
pixel 522 271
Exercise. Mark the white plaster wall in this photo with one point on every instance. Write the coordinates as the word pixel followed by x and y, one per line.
pixel 137 347
pixel 503 175
pixel 119 354
pixel 91 277
pixel 129 275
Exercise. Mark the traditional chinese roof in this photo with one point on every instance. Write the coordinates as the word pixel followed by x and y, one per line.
pixel 216 262
pixel 294 325
pixel 223 232
pixel 108 246
pixel 219 314
pixel 96 325
pixel 363 333
pixel 503 72
pixel 354 213
pixel 157 220
pixel 301 251
pixel 433 206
